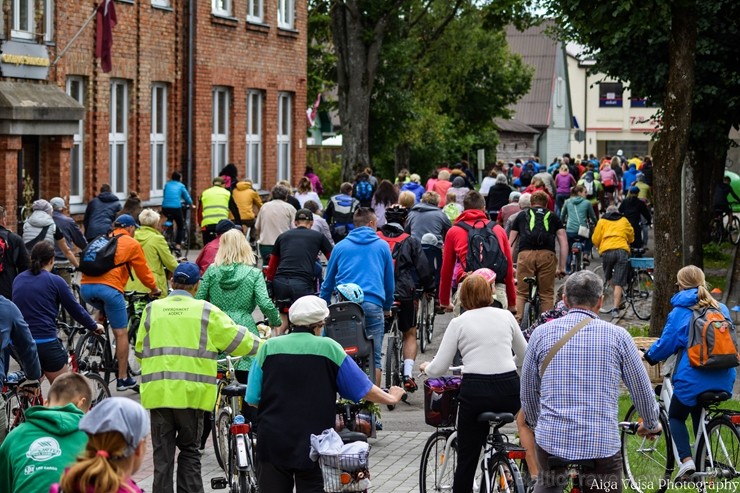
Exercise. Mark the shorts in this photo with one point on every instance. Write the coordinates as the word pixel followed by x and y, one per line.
pixel 375 327
pixel 616 266
pixel 290 289
pixel 406 315
pixel 109 300
pixel 52 355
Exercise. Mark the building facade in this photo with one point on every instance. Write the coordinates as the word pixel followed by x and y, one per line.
pixel 194 85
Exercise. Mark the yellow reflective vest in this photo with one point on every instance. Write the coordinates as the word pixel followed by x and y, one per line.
pixel 215 203
pixel 177 343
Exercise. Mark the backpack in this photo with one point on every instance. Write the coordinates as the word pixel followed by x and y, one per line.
pixel 31 243
pixel 363 191
pixel 98 257
pixel 525 177
pixel 538 227
pixel 343 217
pixel 712 341
pixel 395 244
pixel 484 249
pixel 7 258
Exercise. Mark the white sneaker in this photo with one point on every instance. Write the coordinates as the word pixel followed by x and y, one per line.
pixel 687 469
pixel 605 310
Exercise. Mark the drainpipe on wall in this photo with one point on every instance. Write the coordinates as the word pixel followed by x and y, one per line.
pixel 191 57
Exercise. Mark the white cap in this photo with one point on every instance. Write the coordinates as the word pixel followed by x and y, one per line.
pixel 619 152
pixel 430 239
pixel 308 310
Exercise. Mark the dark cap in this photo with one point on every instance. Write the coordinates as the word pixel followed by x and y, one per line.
pixel 186 273
pixel 304 215
pixel 634 190
pixel 224 225
pixel 125 220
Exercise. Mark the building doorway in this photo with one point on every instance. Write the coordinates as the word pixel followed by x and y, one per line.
pixel 28 177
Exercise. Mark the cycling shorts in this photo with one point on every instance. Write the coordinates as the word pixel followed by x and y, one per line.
pixel 108 299
pixel 290 289
pixel 406 315
pixel 52 355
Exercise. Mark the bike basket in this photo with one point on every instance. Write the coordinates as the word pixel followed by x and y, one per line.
pixel 440 400
pixel 642 262
pixel 345 472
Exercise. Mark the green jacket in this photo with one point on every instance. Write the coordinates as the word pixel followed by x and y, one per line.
pixel 237 289
pixel 158 258
pixel 35 454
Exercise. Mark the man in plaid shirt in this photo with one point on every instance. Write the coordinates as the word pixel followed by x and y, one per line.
pixel 573 407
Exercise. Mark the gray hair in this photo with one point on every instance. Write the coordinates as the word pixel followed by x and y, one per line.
pixel 280 192
pixel 514 196
pixel 583 289
pixel 149 217
pixel 524 201
pixel 501 179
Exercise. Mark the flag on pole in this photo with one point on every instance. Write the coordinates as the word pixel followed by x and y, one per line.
pixel 106 19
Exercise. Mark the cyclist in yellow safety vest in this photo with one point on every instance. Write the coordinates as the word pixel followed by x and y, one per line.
pixel 215 204
pixel 177 343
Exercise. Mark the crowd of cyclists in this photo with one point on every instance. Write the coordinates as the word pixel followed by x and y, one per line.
pixel 377 242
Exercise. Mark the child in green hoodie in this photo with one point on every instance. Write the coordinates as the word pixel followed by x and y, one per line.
pixel 35 454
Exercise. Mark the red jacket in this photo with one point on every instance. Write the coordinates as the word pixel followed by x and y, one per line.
pixel 456 249
pixel 208 255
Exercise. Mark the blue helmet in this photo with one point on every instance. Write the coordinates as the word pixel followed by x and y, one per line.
pixel 351 292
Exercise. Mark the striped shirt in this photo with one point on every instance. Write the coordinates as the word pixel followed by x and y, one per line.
pixel 574 408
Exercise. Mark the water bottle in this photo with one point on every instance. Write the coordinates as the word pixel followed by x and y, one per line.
pixel 238 419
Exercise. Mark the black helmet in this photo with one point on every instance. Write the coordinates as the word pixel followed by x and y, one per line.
pixel 396 214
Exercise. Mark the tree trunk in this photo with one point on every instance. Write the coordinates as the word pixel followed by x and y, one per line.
pixel 692 237
pixel 358 48
pixel 670 152
pixel 403 157
pixel 711 153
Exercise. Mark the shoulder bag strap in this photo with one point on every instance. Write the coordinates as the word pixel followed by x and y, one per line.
pixel 558 345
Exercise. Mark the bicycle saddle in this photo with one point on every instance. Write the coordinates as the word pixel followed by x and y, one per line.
pixel 496 418
pixel 559 463
pixel 234 390
pixel 530 280
pixel 352 436
pixel 713 397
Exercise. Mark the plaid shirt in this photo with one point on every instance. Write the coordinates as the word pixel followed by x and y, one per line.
pixel 573 409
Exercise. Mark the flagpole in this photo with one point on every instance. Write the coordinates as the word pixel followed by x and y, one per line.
pixel 71 41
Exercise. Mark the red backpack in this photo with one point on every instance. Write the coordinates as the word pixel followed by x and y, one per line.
pixel 394 243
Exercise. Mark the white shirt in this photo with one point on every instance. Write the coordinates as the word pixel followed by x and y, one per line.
pixel 305 197
pixel 485 338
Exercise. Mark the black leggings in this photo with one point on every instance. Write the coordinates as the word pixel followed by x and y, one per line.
pixel 176 216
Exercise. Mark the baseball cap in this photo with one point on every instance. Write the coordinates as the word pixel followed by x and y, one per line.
pixel 120 414
pixel 125 220
pixel 186 273
pixel 304 215
pixel 634 190
pixel 57 203
pixel 430 239
pixel 41 205
pixel 308 310
pixel 224 225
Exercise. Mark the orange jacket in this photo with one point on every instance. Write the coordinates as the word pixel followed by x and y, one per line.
pixel 129 253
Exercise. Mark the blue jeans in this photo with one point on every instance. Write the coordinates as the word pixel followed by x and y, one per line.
pixel 109 300
pixel 375 328
pixel 677 414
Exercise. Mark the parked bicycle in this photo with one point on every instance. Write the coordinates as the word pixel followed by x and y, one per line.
pixel 425 319
pixel 531 309
pixel 725 226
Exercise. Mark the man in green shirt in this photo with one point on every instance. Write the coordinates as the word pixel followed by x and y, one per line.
pixel 35 454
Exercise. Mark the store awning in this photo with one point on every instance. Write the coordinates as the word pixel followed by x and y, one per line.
pixel 37 109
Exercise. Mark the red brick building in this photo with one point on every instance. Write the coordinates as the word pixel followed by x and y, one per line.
pixel 231 89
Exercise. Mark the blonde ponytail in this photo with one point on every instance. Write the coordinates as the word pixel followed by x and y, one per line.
pixel 692 276
pixel 102 467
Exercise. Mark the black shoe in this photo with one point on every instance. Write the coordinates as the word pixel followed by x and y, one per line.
pixel 409 385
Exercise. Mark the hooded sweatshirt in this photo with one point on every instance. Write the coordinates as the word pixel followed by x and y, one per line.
pixel 630 177
pixel 158 258
pixel 35 454
pixel 613 232
pixel 237 289
pixel 247 200
pixel 99 215
pixel 364 259
pixel 576 211
pixel 35 223
pixel 414 187
pixel 426 218
pixel 688 382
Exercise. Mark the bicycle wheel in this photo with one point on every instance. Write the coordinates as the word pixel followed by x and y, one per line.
pixel 526 316
pixel 733 230
pixel 641 294
pixel 134 366
pixel 421 324
pixel 221 426
pixel 94 355
pixel 504 476
pixel 437 468
pixel 720 462
pixel 431 315
pixel 391 365
pixel 648 464
pixel 716 230
pixel 185 245
pixel 246 479
pixel 99 387
pixel 15 405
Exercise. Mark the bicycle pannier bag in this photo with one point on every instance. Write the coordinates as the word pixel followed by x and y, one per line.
pixel 484 249
pixel 712 341
pixel 440 400
pixel 98 257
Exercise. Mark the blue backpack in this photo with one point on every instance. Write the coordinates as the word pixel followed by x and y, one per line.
pixel 363 191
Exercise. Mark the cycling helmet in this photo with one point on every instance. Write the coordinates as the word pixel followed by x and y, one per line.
pixel 351 292
pixel 396 214
pixel 487 274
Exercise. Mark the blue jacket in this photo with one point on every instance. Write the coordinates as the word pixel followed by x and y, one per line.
pixel 71 232
pixel 629 177
pixel 99 215
pixel 14 331
pixel 688 382
pixel 414 187
pixel 175 193
pixel 364 259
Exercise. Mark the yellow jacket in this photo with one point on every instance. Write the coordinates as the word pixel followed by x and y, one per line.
pixel 247 200
pixel 613 232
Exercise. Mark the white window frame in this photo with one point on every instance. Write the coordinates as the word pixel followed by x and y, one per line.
pixel 161 3
pixel 284 146
pixel 286 14
pixel 226 10
pixel 254 135
pixel 49 20
pixel 17 32
pixel 77 142
pixel 118 137
pixel 219 138
pixel 255 11
pixel 158 139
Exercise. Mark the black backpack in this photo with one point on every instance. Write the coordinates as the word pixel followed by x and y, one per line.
pixel 538 227
pixel 484 250
pixel 8 255
pixel 99 255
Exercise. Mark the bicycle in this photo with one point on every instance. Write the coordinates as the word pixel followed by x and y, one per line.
pixel 576 255
pixel 640 285
pixel 725 226
pixel 394 352
pixel 425 319
pixel 234 440
pixel 531 309
pixel 20 394
pixel 572 475
pixel 347 472
pixel 63 316
pixel 100 387
pixel 649 463
pixel 168 230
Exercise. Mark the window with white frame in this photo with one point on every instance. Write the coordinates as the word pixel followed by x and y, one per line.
pixel 220 134
pixel 285 123
pixel 118 137
pixel 255 12
pixel 49 20
pixel 286 14
pixel 254 136
pixel 161 3
pixel 158 139
pixel 76 89
pixel 221 7
pixel 24 19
